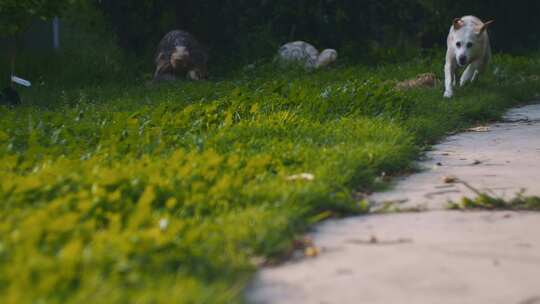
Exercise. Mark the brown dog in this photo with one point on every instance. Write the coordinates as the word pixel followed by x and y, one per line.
pixel 180 54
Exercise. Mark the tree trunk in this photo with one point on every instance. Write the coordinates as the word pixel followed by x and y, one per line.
pixel 13 57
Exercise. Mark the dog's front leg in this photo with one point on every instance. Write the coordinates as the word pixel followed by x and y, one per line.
pixel 470 74
pixel 449 78
pixel 475 75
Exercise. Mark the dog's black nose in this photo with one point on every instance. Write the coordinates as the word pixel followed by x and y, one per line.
pixel 463 60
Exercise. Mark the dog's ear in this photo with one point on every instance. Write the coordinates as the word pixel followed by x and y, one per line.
pixel 458 23
pixel 485 26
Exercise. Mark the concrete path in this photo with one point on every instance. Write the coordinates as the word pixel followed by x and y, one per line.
pixel 501 159
pixel 433 257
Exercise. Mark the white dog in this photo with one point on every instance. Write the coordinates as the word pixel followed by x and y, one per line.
pixel 468 45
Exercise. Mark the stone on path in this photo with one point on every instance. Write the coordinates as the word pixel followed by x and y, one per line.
pixel 434 257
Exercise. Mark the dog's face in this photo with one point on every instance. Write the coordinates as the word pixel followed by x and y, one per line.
pixel 180 58
pixel 467 46
pixel 468 42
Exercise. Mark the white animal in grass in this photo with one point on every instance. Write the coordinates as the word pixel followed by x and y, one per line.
pixel 306 54
pixel 468 46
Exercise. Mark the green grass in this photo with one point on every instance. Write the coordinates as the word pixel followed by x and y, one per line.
pixel 114 192
pixel 485 201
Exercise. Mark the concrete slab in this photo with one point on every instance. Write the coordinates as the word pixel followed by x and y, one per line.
pixel 433 257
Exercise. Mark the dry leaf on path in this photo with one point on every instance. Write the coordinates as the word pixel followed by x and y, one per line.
pixel 311 251
pixel 478 129
pixel 449 179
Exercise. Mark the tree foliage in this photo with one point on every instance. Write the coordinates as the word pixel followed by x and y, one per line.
pixel 15 15
pixel 257 26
